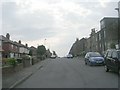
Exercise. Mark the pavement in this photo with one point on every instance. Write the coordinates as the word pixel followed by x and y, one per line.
pixel 18 77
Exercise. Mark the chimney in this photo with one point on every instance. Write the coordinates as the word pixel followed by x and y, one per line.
pixel 26 45
pixel 77 39
pixel 19 41
pixel 8 36
pixel 93 30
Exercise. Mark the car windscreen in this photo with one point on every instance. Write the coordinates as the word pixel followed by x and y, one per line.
pixel 95 55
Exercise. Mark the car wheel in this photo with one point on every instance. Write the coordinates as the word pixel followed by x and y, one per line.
pixel 89 63
pixel 106 68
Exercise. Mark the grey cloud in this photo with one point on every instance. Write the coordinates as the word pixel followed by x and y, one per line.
pixel 29 26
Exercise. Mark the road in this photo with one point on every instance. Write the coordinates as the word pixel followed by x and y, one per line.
pixel 70 73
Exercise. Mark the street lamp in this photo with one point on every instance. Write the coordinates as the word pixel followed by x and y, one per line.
pixel 118 27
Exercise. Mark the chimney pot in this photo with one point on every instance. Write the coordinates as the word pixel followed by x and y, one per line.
pixel 8 36
pixel 20 41
pixel 26 45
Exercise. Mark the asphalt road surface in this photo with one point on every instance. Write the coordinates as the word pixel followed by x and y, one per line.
pixel 70 73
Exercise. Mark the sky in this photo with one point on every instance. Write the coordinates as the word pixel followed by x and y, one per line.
pixel 53 23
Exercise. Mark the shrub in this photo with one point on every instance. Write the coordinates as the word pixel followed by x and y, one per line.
pixel 4 61
pixel 12 61
pixel 112 46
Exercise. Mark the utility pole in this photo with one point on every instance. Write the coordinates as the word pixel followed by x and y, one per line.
pixel 45 42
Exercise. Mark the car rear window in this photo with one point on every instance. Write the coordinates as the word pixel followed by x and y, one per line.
pixel 95 54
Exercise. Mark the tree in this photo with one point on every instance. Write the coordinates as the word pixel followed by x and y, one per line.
pixel 41 50
pixel 112 46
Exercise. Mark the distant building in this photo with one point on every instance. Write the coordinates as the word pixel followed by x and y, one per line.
pixel 82 45
pixel 79 47
pixel 73 49
pixel 88 44
pixel 48 53
pixel 33 51
pixel 92 41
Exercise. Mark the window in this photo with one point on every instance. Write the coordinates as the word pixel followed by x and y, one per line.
pixel 100 45
pixel 109 54
pixel 11 55
pixel 102 24
pixel 104 34
pixel 96 38
pixel 12 46
pixel 99 36
pixel 105 44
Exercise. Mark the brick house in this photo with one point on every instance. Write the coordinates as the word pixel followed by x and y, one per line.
pixel 22 49
pixel 9 47
pixel 13 49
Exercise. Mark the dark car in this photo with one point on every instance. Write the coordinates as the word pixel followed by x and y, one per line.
pixel 112 60
pixel 94 58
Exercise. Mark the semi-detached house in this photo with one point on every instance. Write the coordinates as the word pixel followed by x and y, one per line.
pixel 13 49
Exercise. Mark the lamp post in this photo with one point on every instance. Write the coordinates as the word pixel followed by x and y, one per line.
pixel 118 28
pixel 45 42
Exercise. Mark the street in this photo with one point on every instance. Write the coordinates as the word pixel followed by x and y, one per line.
pixel 70 73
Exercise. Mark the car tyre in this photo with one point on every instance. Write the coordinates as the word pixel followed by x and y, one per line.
pixel 106 68
pixel 89 63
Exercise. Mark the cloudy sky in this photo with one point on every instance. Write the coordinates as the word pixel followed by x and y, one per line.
pixel 54 23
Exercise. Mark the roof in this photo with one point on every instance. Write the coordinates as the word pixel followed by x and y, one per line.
pixel 4 39
pixel 32 47
pixel 108 18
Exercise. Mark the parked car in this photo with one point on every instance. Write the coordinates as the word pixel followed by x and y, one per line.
pixel 94 58
pixel 69 56
pixel 53 56
pixel 112 60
